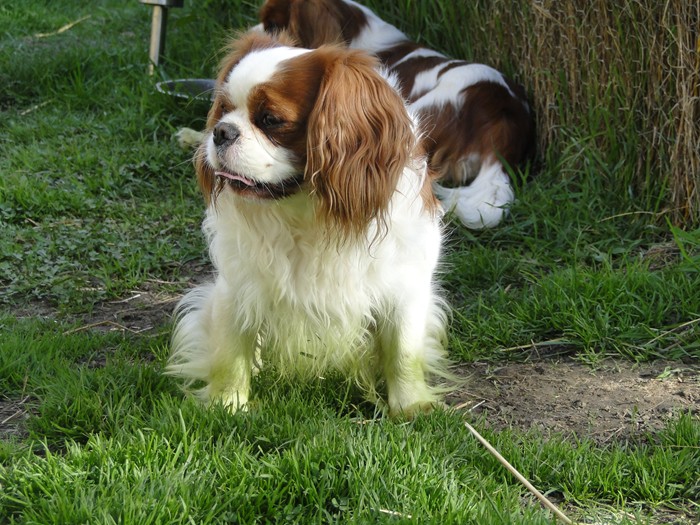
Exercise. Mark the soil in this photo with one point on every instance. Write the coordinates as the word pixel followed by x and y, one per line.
pixel 13 415
pixel 612 401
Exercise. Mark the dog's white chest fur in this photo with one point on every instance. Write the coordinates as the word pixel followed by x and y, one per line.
pixel 311 304
pixel 315 304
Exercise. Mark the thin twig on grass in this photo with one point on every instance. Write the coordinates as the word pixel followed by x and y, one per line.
pixel 62 29
pixel 10 418
pixel 128 299
pixel 466 403
pixel 161 281
pixel 166 300
pixel 673 330
pixel 534 345
pixel 548 504
pixel 395 514
pixel 34 108
pixel 18 413
pixel 642 212
pixel 108 323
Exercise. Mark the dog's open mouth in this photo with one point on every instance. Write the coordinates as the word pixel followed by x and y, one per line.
pixel 262 190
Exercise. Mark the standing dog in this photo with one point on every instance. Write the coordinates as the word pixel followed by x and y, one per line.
pixel 323 229
pixel 475 119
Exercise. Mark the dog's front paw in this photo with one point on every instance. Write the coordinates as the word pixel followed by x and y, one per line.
pixel 189 138
pixel 416 409
pixel 232 399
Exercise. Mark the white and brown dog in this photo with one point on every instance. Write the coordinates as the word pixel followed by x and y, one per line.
pixel 475 119
pixel 323 229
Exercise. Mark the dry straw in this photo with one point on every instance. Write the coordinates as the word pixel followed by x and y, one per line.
pixel 620 70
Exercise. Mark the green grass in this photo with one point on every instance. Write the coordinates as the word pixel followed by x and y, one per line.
pixel 115 443
pixel 96 200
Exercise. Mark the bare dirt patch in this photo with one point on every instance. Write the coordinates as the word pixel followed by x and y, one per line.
pixel 617 400
pixel 13 416
pixel 142 311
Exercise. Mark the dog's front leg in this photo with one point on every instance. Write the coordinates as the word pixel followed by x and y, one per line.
pixel 232 357
pixel 230 372
pixel 210 347
pixel 410 346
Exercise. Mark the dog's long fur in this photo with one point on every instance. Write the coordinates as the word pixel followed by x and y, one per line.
pixel 476 122
pixel 335 269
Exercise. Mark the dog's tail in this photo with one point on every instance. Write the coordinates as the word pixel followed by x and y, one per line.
pixel 484 202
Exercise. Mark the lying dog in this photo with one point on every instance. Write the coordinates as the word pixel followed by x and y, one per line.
pixel 323 229
pixel 474 118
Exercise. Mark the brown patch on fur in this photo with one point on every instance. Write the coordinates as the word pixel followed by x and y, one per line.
pixel 431 204
pixel 289 96
pixel 408 70
pixel 205 174
pixel 395 53
pixel 451 65
pixel 314 22
pixel 490 125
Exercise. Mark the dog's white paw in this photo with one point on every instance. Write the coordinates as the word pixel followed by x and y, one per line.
pixel 189 138
pixel 232 399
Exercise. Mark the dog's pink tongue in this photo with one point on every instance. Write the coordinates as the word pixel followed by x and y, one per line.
pixel 235 176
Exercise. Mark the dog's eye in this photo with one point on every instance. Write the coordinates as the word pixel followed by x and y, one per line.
pixel 268 120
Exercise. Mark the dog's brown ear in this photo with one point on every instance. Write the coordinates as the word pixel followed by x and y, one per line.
pixel 360 137
pixel 312 22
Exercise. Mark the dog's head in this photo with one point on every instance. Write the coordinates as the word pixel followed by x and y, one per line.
pixel 323 122
pixel 314 22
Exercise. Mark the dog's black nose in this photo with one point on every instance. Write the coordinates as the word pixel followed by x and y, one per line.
pixel 225 133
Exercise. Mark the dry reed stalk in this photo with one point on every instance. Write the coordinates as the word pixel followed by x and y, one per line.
pixel 685 156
